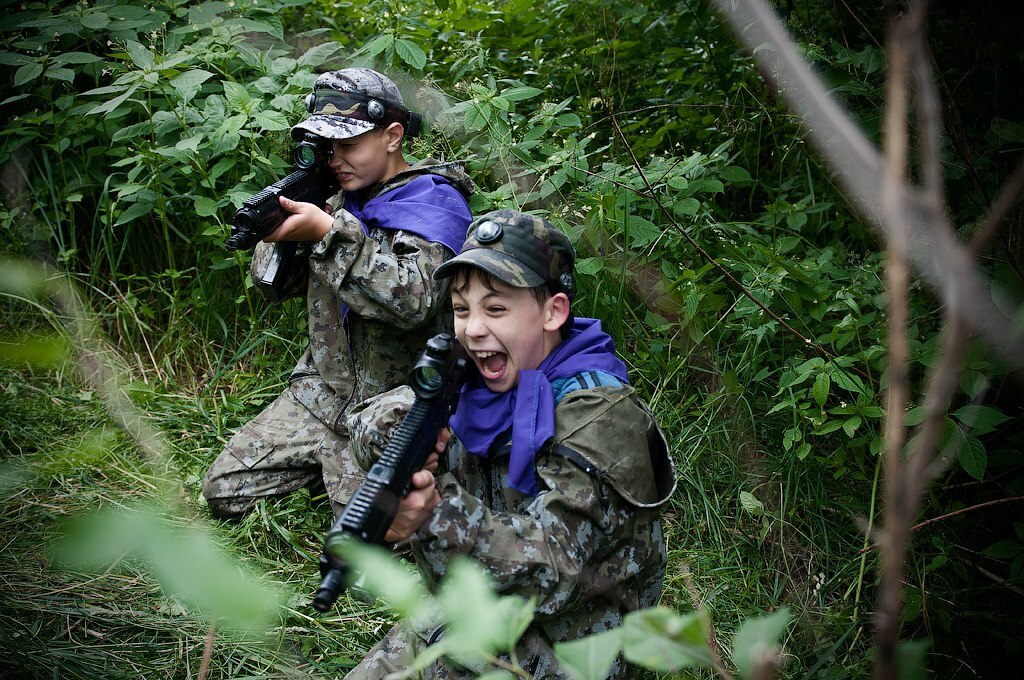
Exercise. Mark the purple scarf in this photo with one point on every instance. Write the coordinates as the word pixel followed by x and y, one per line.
pixel 529 410
pixel 428 206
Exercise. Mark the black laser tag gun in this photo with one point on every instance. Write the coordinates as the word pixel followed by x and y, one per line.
pixel 436 379
pixel 261 213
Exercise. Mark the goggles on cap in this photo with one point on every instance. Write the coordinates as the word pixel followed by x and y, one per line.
pixel 327 102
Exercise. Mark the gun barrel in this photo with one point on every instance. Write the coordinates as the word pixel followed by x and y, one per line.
pixel 373 507
pixel 261 213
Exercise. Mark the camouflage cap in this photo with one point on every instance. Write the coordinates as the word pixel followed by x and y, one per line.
pixel 352 101
pixel 519 249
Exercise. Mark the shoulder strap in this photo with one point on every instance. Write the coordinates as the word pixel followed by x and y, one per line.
pixel 582 381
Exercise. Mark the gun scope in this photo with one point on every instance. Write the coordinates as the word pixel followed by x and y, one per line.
pixel 428 373
pixel 311 151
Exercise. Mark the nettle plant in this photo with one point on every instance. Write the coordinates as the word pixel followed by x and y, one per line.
pixel 153 119
pixel 481 629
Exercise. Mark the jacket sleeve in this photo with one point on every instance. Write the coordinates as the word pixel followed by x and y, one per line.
pixel 540 553
pixel 294 282
pixel 386 276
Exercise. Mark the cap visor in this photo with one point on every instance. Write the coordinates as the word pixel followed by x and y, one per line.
pixel 331 127
pixel 499 265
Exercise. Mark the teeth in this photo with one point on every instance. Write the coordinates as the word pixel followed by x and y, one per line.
pixel 485 355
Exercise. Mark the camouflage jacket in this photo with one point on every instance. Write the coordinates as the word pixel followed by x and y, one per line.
pixel 371 300
pixel 589 546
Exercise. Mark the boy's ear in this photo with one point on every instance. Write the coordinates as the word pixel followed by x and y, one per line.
pixel 395 133
pixel 556 311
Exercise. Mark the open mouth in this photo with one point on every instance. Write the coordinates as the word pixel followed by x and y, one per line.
pixel 492 365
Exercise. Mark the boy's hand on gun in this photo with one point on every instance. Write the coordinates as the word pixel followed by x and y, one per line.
pixel 419 503
pixel 306 223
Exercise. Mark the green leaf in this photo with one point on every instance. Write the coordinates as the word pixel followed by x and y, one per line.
pixel 185 560
pixel 589 265
pixel 819 391
pixel 384 576
pixel 411 53
pixel 36 350
pixel 63 74
pixel 664 641
pixel 642 232
pixel 140 55
pixel 238 97
pixel 751 504
pixel 111 105
pixel 687 206
pixel 736 175
pixel 27 74
pixel 591 657
pixel 851 425
pixel 518 94
pixel 187 84
pixel 980 419
pixel 206 207
pixel 269 121
pixel 95 20
pixel 1004 550
pixel 973 457
pixel 757 641
pixel 134 211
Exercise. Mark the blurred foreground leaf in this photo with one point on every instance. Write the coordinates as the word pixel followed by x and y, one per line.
pixel 188 564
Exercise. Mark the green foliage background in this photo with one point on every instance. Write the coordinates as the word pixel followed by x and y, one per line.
pixel 743 292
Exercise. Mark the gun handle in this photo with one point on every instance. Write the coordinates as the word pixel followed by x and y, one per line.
pixel 275 279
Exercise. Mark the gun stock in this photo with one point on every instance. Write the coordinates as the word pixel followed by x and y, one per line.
pixel 436 379
pixel 261 213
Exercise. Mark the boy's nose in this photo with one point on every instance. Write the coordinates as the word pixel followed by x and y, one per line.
pixel 475 326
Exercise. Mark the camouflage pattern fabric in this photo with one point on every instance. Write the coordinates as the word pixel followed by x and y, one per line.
pixel 580 547
pixel 385 281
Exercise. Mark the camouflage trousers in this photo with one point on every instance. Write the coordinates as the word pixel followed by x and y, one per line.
pixel 281 450
pixel 401 645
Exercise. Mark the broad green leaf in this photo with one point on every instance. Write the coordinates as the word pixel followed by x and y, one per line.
pixel 911 661
pixel 318 54
pixel 385 576
pixel 411 53
pixel 187 84
pixel 27 74
pixel 757 641
pixel 95 20
pixel 973 457
pixel 63 74
pixel 751 504
pixel 206 207
pixel 76 58
pixel 589 265
pixel 134 211
pixel 237 96
pixel 664 641
pixel 851 425
pixel 14 59
pixel 184 559
pixel 642 232
pixel 140 55
pixel 980 419
pixel 1004 550
pixel 819 391
pixel 111 105
pixel 687 206
pixel 518 94
pixel 269 121
pixel 736 175
pixel 37 350
pixel 379 44
pixel 589 658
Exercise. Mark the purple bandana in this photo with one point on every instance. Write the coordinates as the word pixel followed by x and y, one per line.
pixel 529 410
pixel 428 206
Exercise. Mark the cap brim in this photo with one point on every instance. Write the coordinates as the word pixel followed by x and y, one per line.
pixel 331 127
pixel 500 265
